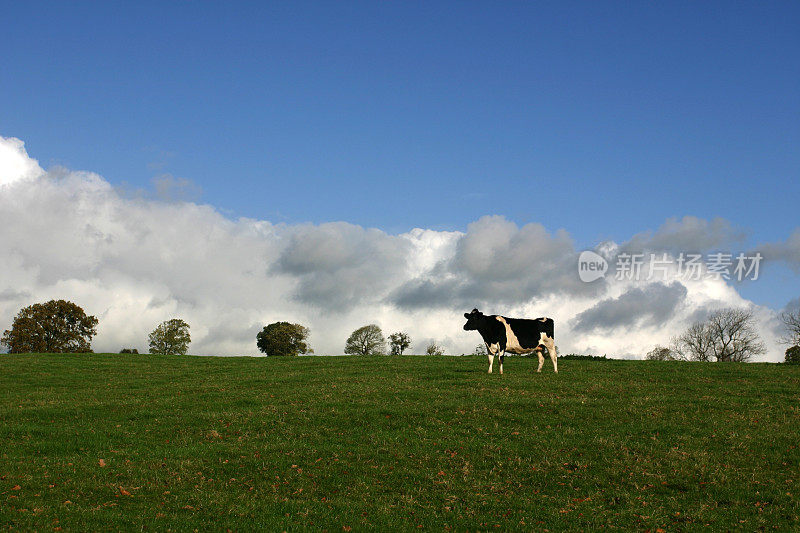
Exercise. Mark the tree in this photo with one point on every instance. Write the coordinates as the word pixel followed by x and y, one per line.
pixel 695 343
pixel 480 350
pixel 661 353
pixel 434 349
pixel 170 337
pixel 129 351
pixel 399 342
pixel 366 340
pixel 793 355
pixel 727 335
pixel 791 323
pixel 283 338
pixel 56 326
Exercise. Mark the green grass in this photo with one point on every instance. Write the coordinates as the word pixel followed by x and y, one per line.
pixel 395 443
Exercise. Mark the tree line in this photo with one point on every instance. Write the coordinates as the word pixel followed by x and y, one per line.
pixel 59 326
pixel 284 338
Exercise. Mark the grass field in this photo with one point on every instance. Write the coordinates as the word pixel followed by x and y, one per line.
pixel 108 442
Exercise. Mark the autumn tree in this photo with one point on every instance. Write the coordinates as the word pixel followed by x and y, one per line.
pixel 170 337
pixel 726 335
pixel 399 342
pixel 366 340
pixel 57 326
pixel 661 353
pixel 283 338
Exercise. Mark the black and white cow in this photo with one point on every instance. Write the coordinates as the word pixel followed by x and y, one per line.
pixel 515 335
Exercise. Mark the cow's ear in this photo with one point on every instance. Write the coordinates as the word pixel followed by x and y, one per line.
pixel 466 315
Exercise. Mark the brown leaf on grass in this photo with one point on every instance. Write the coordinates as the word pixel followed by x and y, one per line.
pixel 16 487
pixel 124 492
pixel 102 462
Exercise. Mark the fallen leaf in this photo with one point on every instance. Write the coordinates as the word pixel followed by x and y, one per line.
pixel 102 462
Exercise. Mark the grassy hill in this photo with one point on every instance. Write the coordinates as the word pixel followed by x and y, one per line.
pixel 183 443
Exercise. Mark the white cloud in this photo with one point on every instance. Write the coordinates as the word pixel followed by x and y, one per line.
pixel 15 165
pixel 134 261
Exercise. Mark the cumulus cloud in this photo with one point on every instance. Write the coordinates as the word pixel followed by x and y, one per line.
pixel 652 305
pixel 137 260
pixel 15 165
pixel 497 261
pixel 787 251
pixel 687 234
pixel 338 265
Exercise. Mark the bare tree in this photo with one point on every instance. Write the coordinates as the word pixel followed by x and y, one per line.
pixel 727 335
pixel 791 322
pixel 366 340
pixel 734 334
pixel 695 343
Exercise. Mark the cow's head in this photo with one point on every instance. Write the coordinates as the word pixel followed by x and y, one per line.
pixel 473 319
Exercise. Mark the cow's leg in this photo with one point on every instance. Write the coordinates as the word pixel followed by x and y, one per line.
pixel 541 358
pixel 551 349
pixel 491 361
pixel 502 356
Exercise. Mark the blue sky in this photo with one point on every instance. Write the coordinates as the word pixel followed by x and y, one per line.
pixel 602 118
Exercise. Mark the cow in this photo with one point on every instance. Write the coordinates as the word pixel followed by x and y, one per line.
pixel 514 335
